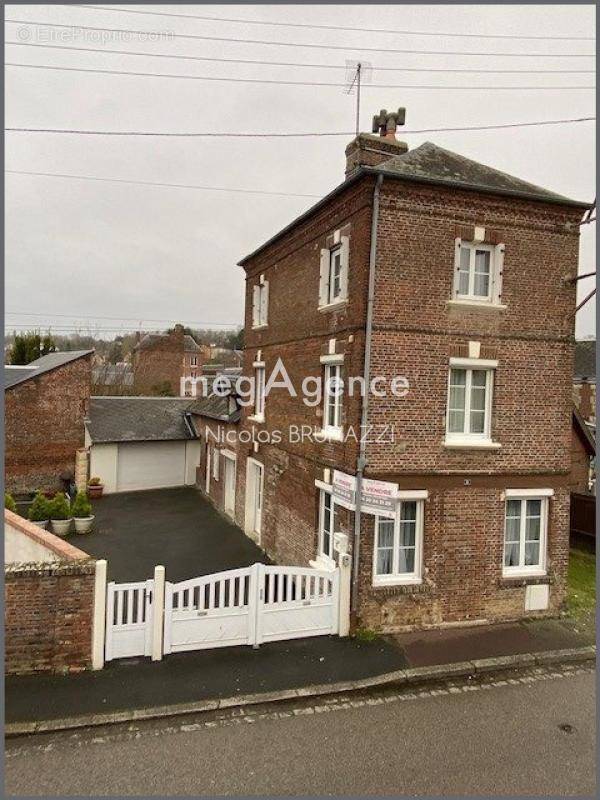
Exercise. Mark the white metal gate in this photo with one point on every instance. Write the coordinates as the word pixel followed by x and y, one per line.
pixel 249 606
pixel 129 619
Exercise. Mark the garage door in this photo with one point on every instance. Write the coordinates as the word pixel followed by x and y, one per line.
pixel 150 465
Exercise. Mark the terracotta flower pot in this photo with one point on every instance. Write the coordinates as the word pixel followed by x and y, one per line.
pixel 95 491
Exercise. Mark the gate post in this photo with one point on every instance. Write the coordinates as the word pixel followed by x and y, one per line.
pixel 344 563
pixel 158 611
pixel 99 618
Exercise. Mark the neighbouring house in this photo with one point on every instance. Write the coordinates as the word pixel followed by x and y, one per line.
pixel 112 379
pixel 162 360
pixel 584 379
pixel 583 455
pixel 141 442
pixel 45 403
pixel 439 275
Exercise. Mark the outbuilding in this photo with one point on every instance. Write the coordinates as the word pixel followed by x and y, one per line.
pixel 140 443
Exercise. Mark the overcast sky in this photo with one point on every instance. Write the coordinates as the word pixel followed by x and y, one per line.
pixel 78 249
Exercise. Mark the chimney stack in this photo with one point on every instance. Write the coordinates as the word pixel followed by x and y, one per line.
pixel 371 149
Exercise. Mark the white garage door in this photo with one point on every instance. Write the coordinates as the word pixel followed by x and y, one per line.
pixel 150 465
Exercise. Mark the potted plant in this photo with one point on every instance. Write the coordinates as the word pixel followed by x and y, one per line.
pixel 9 502
pixel 60 514
pixel 81 510
pixel 39 511
pixel 95 487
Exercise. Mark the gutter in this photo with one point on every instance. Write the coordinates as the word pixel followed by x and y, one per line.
pixel 361 461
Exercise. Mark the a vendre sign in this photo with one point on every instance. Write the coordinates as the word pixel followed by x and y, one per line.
pixel 377 497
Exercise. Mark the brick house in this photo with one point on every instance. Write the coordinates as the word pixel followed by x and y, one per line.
pixel 584 379
pixel 45 403
pixel 161 360
pixel 451 277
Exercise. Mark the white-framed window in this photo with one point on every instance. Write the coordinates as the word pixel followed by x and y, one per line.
pixel 469 408
pixel 478 271
pixel 333 282
pixel 215 463
pixel 260 303
pixel 193 361
pixel 525 532
pixel 398 555
pixel 259 392
pixel 333 397
pixel 327 524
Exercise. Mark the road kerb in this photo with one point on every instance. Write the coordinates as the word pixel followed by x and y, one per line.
pixel 435 672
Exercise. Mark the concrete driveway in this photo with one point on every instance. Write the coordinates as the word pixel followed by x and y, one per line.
pixel 177 528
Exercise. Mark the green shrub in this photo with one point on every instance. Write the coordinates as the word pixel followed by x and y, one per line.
pixel 59 507
pixel 39 510
pixel 81 506
pixel 9 502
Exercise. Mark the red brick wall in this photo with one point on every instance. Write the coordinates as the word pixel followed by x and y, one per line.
pixel 159 365
pixel 580 465
pixel 44 426
pixel 48 618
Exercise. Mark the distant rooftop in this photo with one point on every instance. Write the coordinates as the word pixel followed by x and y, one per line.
pixel 138 419
pixel 585 359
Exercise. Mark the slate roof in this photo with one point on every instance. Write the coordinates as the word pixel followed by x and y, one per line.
pixel 138 419
pixel 113 374
pixel 585 359
pixel 432 164
pixel 16 375
pixel 215 407
pixel 190 345
pixel 585 431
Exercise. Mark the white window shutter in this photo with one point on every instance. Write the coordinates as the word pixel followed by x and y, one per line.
pixel 255 305
pixel 455 283
pixel 264 303
pixel 498 270
pixel 324 278
pixel 345 262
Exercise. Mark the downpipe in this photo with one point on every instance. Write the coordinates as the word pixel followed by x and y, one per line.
pixel 361 461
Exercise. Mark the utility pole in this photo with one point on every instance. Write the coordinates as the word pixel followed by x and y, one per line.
pixel 358 69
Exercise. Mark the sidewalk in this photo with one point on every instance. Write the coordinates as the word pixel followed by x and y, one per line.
pixel 192 681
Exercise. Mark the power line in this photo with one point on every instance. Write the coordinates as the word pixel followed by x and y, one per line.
pixel 228 134
pixel 153 183
pixel 312 45
pixel 260 62
pixel 334 27
pixel 289 83
pixel 137 320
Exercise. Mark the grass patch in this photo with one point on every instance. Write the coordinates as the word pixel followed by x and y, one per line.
pixel 365 635
pixel 581 597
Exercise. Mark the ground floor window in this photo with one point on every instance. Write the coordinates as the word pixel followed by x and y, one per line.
pixel 327 524
pixel 399 544
pixel 525 528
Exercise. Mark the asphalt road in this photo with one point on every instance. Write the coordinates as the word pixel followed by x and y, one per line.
pixel 501 738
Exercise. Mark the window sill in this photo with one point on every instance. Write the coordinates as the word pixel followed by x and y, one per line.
pixel 330 435
pixel 333 306
pixel 256 418
pixel 395 581
pixel 483 305
pixel 323 563
pixel 259 327
pixel 524 575
pixel 471 444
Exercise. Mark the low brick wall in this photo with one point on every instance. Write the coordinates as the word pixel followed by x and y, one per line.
pixel 48 605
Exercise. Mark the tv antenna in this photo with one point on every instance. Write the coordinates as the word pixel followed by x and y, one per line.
pixel 357 72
